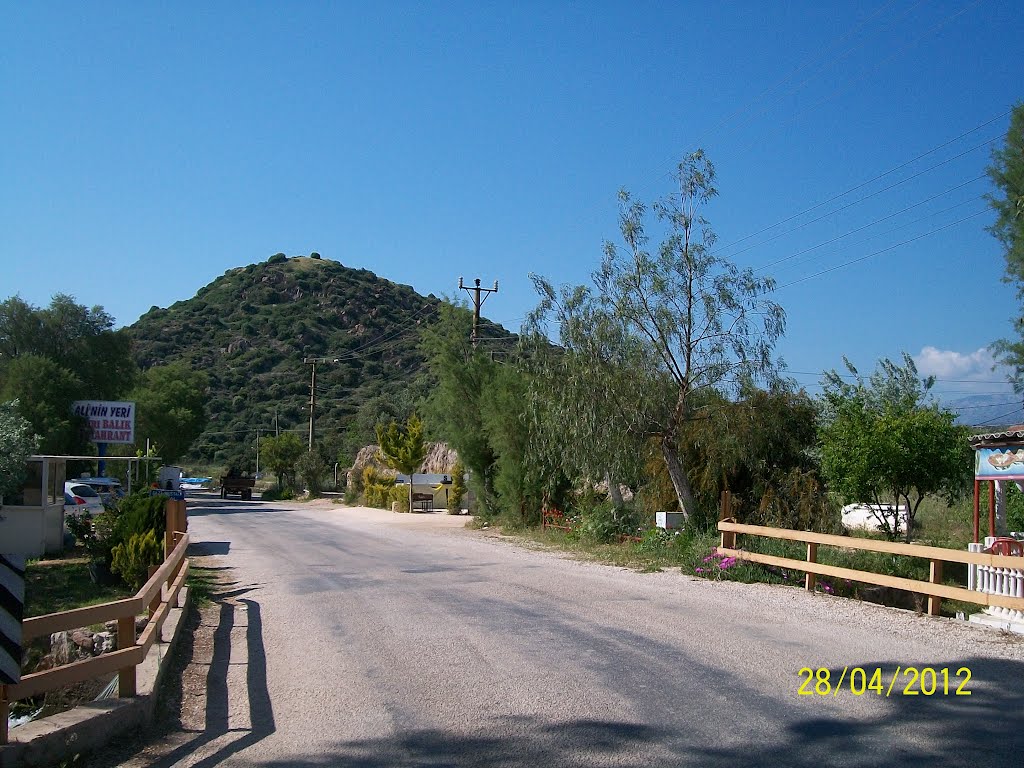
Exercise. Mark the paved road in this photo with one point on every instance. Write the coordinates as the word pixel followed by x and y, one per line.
pixel 363 638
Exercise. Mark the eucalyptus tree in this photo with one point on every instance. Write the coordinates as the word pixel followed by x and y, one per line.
pixel 682 320
pixel 1007 173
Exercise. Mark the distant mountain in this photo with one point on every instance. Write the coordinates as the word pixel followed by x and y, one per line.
pixel 251 328
pixel 990 410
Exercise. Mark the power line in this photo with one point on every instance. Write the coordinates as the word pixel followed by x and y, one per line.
pixel 873 179
pixel 945 381
pixel 841 208
pixel 884 218
pixel 878 252
pixel 996 419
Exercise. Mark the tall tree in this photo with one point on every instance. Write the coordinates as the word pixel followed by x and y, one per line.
pixel 170 406
pixel 50 357
pixel 1007 173
pixel 455 407
pixel 45 391
pixel 696 320
pixel 403 447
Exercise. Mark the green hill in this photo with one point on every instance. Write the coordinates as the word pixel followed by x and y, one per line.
pixel 250 330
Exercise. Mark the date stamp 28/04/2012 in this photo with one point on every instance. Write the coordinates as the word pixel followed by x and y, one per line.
pixel 904 681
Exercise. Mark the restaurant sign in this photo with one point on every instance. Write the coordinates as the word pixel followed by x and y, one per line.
pixel 109 421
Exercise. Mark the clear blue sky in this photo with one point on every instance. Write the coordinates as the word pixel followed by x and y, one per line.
pixel 147 148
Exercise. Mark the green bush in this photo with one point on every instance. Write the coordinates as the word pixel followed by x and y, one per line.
pixel 132 559
pixel 96 535
pixel 601 522
pixel 312 468
pixel 277 494
pixel 399 495
pixel 277 258
pixel 457 490
pixel 139 513
pixel 377 488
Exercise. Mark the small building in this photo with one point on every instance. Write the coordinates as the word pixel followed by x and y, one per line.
pixel 33 526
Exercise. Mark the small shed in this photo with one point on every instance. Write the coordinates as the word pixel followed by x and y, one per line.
pixel 35 526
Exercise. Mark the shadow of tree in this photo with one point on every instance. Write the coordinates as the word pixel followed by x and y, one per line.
pixel 982 729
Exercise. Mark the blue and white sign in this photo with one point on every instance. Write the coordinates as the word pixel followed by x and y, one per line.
pixel 1005 463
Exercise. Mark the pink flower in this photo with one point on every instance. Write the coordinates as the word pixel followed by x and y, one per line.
pixel 698 570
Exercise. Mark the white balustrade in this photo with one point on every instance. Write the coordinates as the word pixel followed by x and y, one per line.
pixel 1008 582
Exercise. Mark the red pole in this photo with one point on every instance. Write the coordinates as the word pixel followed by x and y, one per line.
pixel 992 508
pixel 977 510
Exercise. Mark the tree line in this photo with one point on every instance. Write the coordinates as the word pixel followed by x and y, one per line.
pixel 52 356
pixel 656 387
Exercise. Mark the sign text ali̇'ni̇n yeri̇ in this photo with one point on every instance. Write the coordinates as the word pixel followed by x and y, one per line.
pixel 109 422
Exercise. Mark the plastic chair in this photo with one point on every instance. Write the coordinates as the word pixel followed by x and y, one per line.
pixel 1006 546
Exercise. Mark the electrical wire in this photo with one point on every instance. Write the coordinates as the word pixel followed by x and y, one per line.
pixel 879 221
pixel 878 252
pixel 858 201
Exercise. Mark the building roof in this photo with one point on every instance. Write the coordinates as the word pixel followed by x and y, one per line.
pixel 1010 436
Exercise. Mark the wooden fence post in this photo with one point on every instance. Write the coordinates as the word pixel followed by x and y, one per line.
pixel 126 639
pixel 154 604
pixel 812 557
pixel 935 577
pixel 169 520
pixel 725 513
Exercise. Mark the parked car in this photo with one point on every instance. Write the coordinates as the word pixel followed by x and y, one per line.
pixel 84 499
pixel 108 488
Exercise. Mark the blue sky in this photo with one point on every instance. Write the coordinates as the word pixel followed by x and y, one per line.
pixel 148 148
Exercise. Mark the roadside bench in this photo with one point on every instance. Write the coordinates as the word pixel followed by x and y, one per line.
pixel 423 501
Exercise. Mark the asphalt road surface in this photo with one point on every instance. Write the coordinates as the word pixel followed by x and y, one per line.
pixel 351 637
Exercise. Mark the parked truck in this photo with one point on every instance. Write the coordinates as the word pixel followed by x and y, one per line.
pixel 237 484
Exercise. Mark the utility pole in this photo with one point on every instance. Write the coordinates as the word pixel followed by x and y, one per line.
pixel 257 452
pixel 312 392
pixel 478 302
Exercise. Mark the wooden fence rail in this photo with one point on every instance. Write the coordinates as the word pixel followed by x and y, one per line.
pixel 157 596
pixel 936 556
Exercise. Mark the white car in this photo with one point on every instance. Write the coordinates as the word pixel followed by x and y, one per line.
pixel 108 488
pixel 84 500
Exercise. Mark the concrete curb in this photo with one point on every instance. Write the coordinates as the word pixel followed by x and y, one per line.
pixel 90 726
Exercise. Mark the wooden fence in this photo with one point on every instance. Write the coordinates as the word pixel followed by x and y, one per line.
pixel 936 556
pixel 157 596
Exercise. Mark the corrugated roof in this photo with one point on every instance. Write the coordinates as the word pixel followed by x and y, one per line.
pixel 1014 434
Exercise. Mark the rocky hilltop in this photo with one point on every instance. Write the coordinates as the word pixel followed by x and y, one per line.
pixel 250 330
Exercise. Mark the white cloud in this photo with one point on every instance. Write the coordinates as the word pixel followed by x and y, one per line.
pixel 969 373
pixel 947 364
